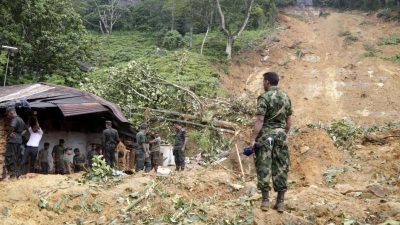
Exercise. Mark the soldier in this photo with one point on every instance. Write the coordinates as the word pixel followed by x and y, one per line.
pixel 110 140
pixel 180 145
pixel 93 152
pixel 140 149
pixel 14 141
pixel 155 151
pixel 269 140
pixel 79 161
pixel 57 153
pixel 44 158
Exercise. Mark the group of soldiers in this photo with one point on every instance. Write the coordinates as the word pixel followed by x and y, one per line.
pixel 24 158
pixel 268 141
pixel 147 154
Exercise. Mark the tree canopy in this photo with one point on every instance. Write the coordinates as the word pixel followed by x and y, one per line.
pixel 51 38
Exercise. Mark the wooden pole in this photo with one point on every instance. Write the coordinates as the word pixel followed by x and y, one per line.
pixel 240 163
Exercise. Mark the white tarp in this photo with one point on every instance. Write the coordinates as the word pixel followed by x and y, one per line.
pixel 168 155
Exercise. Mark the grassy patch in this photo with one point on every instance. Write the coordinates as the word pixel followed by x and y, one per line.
pixel 371 51
pixel 296 16
pixel 392 40
pixel 348 37
pixel 395 58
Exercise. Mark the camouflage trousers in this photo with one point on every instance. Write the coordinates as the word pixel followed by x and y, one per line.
pixel 142 162
pixel 179 158
pixel 272 159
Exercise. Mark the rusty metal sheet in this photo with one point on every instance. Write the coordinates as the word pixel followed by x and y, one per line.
pixel 81 108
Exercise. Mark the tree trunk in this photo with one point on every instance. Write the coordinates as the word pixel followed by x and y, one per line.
pixel 204 39
pixel 172 20
pixel 191 37
pixel 229 45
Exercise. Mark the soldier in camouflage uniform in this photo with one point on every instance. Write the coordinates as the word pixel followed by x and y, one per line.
pixel 179 147
pixel 269 139
pixel 139 153
pixel 110 141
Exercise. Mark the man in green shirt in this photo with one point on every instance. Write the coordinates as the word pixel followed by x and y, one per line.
pixel 57 153
pixel 140 147
pixel 14 142
pixel 179 147
pixel 269 139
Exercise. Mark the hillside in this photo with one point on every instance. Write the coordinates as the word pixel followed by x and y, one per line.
pixel 325 70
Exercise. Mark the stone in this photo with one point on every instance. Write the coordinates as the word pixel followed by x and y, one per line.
pixel 304 149
pixel 102 220
pixel 377 190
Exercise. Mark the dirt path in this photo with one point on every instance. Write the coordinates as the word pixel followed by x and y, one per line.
pixel 332 78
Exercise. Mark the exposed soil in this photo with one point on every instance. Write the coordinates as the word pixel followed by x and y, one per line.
pixel 332 79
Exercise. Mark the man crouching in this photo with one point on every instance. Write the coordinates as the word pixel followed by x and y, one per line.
pixel 269 141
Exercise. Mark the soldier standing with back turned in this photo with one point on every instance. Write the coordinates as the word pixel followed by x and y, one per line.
pixel 269 140
pixel 179 147
pixel 110 140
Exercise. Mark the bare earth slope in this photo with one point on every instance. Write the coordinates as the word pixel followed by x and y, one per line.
pixel 332 78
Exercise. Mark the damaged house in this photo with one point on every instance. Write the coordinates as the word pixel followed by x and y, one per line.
pixel 64 113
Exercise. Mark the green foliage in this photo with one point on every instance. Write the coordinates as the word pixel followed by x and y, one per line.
pixel 100 171
pixel 257 17
pixel 172 40
pixel 209 143
pixel 344 133
pixel 51 38
pixel 371 51
pixel 395 58
pixel 392 40
pixel 348 37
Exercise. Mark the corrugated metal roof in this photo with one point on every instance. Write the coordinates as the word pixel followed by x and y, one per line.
pixel 80 109
pixel 71 101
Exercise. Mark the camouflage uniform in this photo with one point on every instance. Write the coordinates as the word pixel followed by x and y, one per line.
pixel 110 141
pixel 179 153
pixel 13 149
pixel 272 154
pixel 139 154
pixel 155 153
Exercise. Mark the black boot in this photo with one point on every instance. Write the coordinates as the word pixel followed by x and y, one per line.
pixel 279 205
pixel 265 201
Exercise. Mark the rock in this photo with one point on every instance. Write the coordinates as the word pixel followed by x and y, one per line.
pixel 250 188
pixel 356 194
pixel 311 58
pixel 264 59
pixel 236 187
pixel 275 39
pixel 377 190
pixel 264 52
pixel 304 149
pixel 102 220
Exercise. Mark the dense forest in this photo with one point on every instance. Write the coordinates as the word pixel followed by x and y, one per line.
pixel 58 39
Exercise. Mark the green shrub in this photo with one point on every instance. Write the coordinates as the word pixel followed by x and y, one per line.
pixel 392 40
pixel 172 40
pixel 348 37
pixel 344 133
pixel 395 58
pixel 371 50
